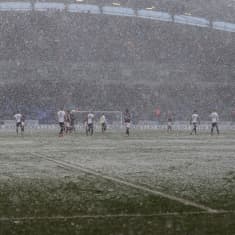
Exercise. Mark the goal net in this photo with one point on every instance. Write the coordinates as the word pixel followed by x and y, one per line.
pixel 114 118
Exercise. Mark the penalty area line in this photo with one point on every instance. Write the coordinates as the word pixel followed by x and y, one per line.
pixel 59 217
pixel 129 184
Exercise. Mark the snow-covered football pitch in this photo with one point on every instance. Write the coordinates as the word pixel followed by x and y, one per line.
pixel 149 183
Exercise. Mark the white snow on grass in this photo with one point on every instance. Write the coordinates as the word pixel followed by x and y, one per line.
pixel 179 164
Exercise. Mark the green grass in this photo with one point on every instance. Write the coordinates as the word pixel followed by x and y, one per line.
pixel 38 196
pixel 81 196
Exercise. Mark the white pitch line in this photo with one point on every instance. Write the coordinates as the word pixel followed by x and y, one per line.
pixel 132 185
pixel 60 217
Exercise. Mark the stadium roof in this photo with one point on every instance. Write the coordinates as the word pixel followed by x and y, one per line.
pixel 216 9
pixel 202 14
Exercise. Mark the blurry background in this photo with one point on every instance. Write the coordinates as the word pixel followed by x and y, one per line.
pixel 55 58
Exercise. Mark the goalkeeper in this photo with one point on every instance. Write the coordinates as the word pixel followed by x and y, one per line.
pixel 127 120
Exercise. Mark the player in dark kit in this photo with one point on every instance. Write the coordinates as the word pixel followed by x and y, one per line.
pixel 72 121
pixel 22 124
pixel 67 120
pixel 169 121
pixel 86 125
pixel 127 120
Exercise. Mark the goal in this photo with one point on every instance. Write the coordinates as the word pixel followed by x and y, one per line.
pixel 114 118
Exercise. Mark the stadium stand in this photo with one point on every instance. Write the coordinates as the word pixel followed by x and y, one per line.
pixel 53 58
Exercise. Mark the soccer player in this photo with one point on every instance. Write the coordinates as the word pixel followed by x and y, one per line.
pixel 214 122
pixel 18 117
pixel 103 123
pixel 127 120
pixel 72 121
pixel 194 121
pixel 67 122
pixel 90 123
pixel 22 124
pixel 86 125
pixel 169 121
pixel 61 119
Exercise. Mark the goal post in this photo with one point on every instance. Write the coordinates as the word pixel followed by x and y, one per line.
pixel 114 118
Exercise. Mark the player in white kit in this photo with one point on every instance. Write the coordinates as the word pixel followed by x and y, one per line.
pixel 18 116
pixel 214 122
pixel 61 118
pixel 195 120
pixel 103 123
pixel 90 123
